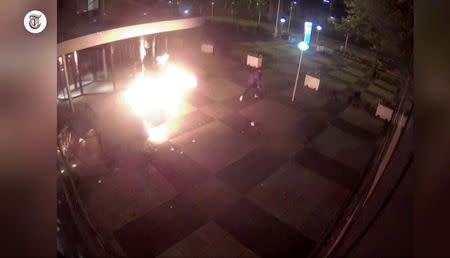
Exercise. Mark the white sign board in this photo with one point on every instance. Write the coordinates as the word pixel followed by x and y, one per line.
pixel 254 61
pixel 207 48
pixel 386 113
pixel 307 32
pixel 312 82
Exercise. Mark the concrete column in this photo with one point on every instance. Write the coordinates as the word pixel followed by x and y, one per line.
pixel 67 83
pixel 154 47
pixel 77 70
pixel 112 66
pixel 105 68
pixel 167 44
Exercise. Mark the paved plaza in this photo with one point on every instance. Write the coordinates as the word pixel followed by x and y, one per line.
pixel 222 187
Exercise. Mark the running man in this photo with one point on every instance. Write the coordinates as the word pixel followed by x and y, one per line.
pixel 254 81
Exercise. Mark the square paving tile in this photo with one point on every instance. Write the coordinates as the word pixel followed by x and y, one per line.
pixel 211 195
pixel 307 97
pixel 247 172
pixel 274 116
pixel 264 234
pixel 334 108
pixel 178 168
pixel 239 77
pixel 240 124
pixel 354 130
pixel 158 230
pixel 362 119
pixel 235 104
pixel 353 151
pixel 214 146
pixel 115 199
pixel 211 241
pixel 294 193
pixel 311 126
pixel 216 110
pixel 221 89
pixel 187 123
pixel 327 167
pixel 197 99
pixel 277 82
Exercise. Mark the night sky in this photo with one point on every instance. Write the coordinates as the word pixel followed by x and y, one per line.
pixel 338 6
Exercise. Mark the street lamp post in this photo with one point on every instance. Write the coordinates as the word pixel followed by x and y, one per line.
pixel 290 15
pixel 318 28
pixel 283 21
pixel 329 4
pixel 346 40
pixel 276 21
pixel 303 46
pixel 212 9
pixel 259 12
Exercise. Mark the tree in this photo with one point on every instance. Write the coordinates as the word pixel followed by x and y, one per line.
pixel 345 27
pixel 387 25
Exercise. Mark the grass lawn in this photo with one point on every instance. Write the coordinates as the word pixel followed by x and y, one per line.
pixel 369 99
pixel 384 94
pixel 323 60
pixel 389 76
pixel 354 71
pixel 344 76
pixel 310 64
pixel 386 86
pixel 285 68
pixel 329 83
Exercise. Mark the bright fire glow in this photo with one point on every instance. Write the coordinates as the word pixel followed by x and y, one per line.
pixel 158 99
pixel 162 60
pixel 142 50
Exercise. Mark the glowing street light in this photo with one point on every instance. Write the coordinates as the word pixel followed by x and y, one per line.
pixel 212 8
pixel 318 28
pixel 303 46
pixel 283 21
pixel 186 11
